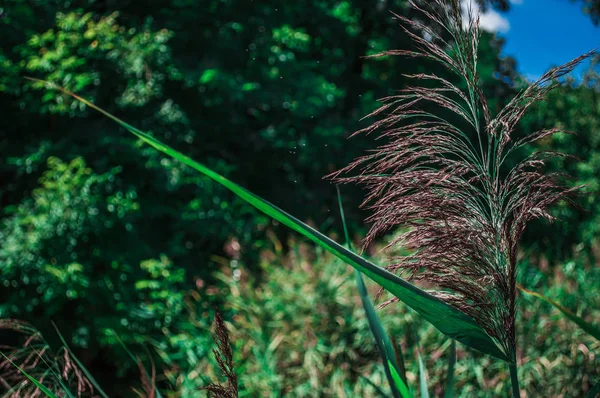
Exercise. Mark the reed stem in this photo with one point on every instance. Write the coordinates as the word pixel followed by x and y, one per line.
pixel 514 380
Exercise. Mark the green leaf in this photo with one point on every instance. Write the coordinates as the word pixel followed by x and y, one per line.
pixel 392 371
pixel 450 375
pixel 34 381
pixel 386 351
pixel 86 372
pixel 343 216
pixel 400 360
pixel 449 320
pixel 595 391
pixel 586 326
pixel 422 372
pixel 398 380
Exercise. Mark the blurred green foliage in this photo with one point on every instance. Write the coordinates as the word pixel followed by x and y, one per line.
pixel 102 234
pixel 301 331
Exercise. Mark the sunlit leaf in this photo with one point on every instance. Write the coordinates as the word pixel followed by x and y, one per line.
pixel 386 351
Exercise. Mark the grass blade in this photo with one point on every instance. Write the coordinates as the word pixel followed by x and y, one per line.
pixel 133 358
pixel 450 376
pixel 86 372
pixel 377 389
pixel 137 361
pixel 392 371
pixel 586 326
pixel 595 391
pixel 343 216
pixel 33 380
pixel 398 380
pixel 422 371
pixel 386 351
pixel 449 320
pixel 400 360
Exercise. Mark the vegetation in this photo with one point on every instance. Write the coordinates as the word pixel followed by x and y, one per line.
pixel 129 251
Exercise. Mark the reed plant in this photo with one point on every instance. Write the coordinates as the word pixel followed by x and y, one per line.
pixel 449 173
pixel 448 180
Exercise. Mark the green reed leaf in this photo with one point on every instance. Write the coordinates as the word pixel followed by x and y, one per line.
pixel 392 370
pixel 449 320
pixel 386 351
pixel 422 371
pixel 450 374
pixel 586 326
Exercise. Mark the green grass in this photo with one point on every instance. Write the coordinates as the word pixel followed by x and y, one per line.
pixel 299 329
pixel 300 348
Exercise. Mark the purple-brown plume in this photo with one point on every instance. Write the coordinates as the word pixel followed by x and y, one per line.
pixel 224 356
pixel 447 184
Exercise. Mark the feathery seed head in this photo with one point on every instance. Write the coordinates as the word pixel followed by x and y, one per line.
pixel 446 182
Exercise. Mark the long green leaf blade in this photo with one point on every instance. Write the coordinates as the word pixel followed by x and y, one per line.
pixel 386 351
pixel 392 371
pixel 450 375
pixel 400 360
pixel 422 371
pixel 398 380
pixel 39 385
pixel 586 326
pixel 449 320
pixel 343 216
